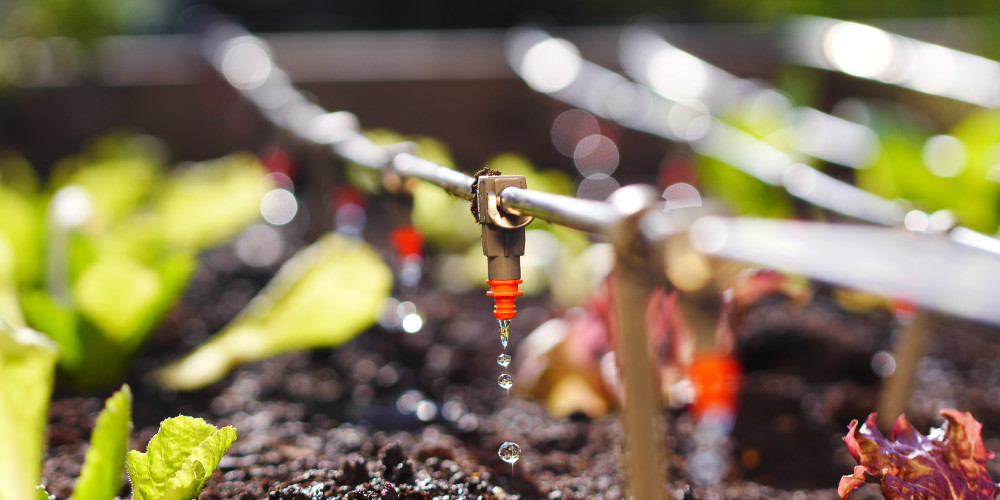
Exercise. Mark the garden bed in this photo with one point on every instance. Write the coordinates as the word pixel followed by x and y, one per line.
pixel 347 423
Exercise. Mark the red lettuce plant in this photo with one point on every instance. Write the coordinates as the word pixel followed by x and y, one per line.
pixel 949 462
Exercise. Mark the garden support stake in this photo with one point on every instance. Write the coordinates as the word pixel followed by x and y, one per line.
pixel 644 452
pixel 910 347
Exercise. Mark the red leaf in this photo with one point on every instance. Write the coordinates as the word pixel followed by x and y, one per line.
pixel 949 462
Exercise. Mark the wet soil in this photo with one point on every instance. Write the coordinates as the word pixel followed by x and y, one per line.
pixel 396 415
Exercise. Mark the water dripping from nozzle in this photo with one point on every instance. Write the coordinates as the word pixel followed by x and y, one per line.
pixel 509 452
pixel 503 360
pixel 505 381
pixel 504 331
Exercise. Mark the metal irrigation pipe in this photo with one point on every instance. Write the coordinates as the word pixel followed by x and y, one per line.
pixel 576 81
pixel 244 60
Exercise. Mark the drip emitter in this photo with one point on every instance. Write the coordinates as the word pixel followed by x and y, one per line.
pixel 503 238
pixel 503 246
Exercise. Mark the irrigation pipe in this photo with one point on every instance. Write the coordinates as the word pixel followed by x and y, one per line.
pixel 607 94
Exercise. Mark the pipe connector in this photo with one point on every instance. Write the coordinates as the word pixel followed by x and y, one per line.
pixel 503 240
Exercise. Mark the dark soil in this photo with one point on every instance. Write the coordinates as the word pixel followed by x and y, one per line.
pixel 335 423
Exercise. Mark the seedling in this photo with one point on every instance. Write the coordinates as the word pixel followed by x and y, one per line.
pixel 179 459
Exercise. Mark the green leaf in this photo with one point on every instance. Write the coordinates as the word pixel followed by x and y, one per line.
pixel 41 494
pixel 230 189
pixel 9 308
pixel 198 467
pixel 27 363
pixel 179 459
pixel 324 296
pixel 22 224
pixel 115 313
pixel 116 292
pixel 59 321
pixel 117 185
pixel 101 477
pixel 17 172
pixel 745 194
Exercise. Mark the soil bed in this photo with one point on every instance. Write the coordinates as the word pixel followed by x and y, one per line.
pixel 339 423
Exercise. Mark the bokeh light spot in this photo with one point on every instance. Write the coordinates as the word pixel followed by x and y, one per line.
pixel 596 154
pixel 570 127
pixel 945 156
pixel 597 187
pixel 246 63
pixel 551 65
pixel 279 207
pixel 858 50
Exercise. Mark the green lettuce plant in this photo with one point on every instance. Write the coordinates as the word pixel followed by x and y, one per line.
pixel 27 363
pixel 100 282
pixel 179 459
pixel 323 296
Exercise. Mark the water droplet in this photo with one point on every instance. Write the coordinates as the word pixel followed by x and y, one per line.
pixel 503 360
pixel 509 452
pixel 505 381
pixel 504 335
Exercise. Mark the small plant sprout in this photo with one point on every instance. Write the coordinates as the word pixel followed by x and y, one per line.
pixel 179 459
pixel 101 476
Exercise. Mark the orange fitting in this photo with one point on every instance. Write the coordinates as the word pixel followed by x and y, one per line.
pixel 407 241
pixel 716 381
pixel 503 293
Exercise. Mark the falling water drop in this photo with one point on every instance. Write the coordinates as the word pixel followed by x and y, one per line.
pixel 509 452
pixel 505 381
pixel 503 360
pixel 504 332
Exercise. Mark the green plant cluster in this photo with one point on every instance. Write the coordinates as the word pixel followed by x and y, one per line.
pixel 178 461
pixel 903 167
pixel 95 258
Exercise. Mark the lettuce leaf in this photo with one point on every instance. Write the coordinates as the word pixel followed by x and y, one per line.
pixel 179 459
pixel 101 477
pixel 229 188
pixel 949 462
pixel 324 296
pixel 27 367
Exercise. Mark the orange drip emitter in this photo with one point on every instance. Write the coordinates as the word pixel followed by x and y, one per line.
pixel 716 380
pixel 503 293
